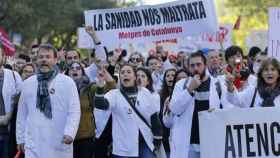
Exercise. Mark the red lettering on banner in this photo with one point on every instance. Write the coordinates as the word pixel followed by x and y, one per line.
pixel 129 35
pixel 166 31
pixel 217 37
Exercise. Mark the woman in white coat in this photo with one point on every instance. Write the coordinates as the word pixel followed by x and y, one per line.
pixel 131 135
pixel 144 79
pixel 265 93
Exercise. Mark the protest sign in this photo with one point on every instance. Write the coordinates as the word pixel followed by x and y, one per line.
pixel 153 23
pixel 274 33
pixel 233 133
pixel 257 38
pixel 84 39
pixel 217 40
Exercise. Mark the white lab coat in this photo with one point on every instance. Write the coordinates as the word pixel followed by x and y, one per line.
pixel 180 119
pixel 91 72
pixel 11 87
pixel 126 124
pixel 101 118
pixel 244 98
pixel 42 136
pixel 251 81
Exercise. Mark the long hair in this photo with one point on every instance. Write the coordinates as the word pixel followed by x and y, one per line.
pixel 176 80
pixel 264 65
pixel 165 90
pixel 150 79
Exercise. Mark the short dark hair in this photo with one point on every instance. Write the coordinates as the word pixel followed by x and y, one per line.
pixel 151 58
pixel 198 54
pixel 231 51
pixel 254 51
pixel 24 57
pixel 48 47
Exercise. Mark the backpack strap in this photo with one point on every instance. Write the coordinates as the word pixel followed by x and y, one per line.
pixel 253 99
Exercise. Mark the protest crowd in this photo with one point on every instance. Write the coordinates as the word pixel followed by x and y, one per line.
pixel 121 104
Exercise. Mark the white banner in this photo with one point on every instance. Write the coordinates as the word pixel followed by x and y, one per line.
pixel 274 33
pixel 240 133
pixel 218 40
pixel 84 39
pixel 153 23
pixel 257 38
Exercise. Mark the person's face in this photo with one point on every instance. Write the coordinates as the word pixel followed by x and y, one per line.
pixel 154 65
pixel 75 71
pixel 270 75
pixel 170 77
pixel 197 67
pixel 33 54
pixel 135 60
pixel 180 56
pixel 260 59
pixel 45 60
pixel 142 79
pixel 181 75
pixel 127 76
pixel 232 61
pixel 71 57
pixel 27 71
pixel 111 59
pixel 214 60
pixel 19 64
pixel 172 59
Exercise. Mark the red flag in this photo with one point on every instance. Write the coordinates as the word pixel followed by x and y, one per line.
pixel 237 23
pixel 8 47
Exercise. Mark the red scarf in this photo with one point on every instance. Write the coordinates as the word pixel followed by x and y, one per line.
pixel 237 82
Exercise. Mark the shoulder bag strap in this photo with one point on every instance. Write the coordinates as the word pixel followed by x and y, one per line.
pixel 254 98
pixel 135 109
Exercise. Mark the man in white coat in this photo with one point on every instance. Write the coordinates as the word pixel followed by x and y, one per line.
pixel 48 111
pixel 189 97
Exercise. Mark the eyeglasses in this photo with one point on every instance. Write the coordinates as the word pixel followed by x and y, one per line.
pixel 135 59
